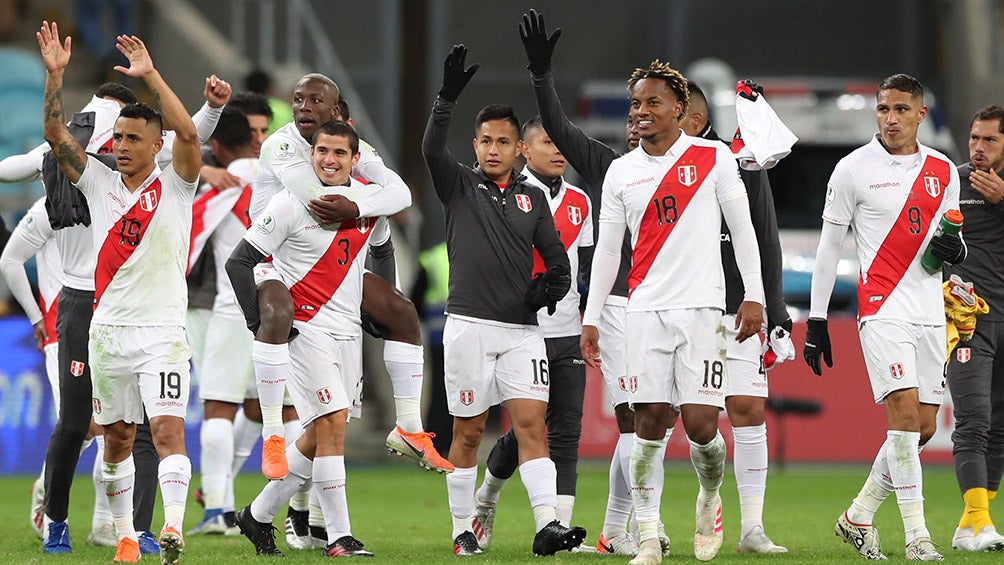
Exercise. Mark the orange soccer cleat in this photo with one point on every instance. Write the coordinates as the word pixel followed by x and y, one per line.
pixel 273 458
pixel 127 551
pixel 418 446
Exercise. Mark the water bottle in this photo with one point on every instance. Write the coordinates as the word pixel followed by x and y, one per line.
pixel 950 224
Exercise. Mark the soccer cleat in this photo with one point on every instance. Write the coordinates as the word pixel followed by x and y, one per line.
pixel 622 544
pixel 297 530
pixel 755 541
pixel 58 538
pixel 346 546
pixel 864 537
pixel 649 553
pixel 466 544
pixel 262 535
pixel 922 549
pixel 230 518
pixel 273 458
pixel 103 536
pixel 200 498
pixel 213 524
pixel 318 537
pixel 663 539
pixel 418 446
pixel 38 506
pixel 148 544
pixel 709 534
pixel 483 522
pixel 172 545
pixel 126 551
pixel 987 540
pixel 554 537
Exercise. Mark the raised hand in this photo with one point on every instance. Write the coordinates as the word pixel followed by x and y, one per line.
pixel 538 46
pixel 217 91
pixel 455 76
pixel 55 55
pixel 140 63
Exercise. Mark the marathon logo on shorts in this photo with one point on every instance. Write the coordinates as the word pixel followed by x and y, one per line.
pixel 963 354
pixel 148 201
pixel 524 203
pixel 575 215
pixel 932 185
pixel 96 405
pixel 324 395
pixel 628 384
pixel 467 397
pixel 896 370
pixel 76 368
pixel 687 174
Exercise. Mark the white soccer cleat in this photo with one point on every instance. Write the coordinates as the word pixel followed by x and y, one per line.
pixel 649 553
pixel 709 534
pixel 483 522
pixel 38 507
pixel 922 549
pixel 663 539
pixel 987 540
pixel 103 536
pixel 621 544
pixel 755 541
pixel 864 538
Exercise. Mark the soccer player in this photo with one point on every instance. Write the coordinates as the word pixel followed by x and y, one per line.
pixel 975 376
pixel 561 329
pixel 746 394
pixel 893 191
pixel 259 116
pixel 323 266
pixel 141 221
pixel 494 351
pixel 671 194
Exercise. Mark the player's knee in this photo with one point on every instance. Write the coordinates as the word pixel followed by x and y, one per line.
pixel 468 436
pixel 625 418
pixel 402 320
pixel 168 435
pixel 275 307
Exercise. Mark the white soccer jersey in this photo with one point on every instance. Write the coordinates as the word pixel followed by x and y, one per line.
pixel 572 211
pixel 671 205
pixel 894 204
pixel 321 265
pixel 142 240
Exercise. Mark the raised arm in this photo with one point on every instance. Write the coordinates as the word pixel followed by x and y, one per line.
pixel 187 160
pixel 442 165
pixel 56 56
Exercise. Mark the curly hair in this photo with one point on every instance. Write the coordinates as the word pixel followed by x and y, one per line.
pixel 675 81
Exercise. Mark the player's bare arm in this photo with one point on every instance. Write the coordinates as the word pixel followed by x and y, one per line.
pixel 56 56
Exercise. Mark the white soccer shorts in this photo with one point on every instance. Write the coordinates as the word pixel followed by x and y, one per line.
pixel 325 374
pixel 227 364
pixel 743 363
pixel 611 331
pixel 900 355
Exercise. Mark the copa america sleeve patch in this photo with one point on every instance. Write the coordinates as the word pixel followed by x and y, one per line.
pixel 266 224
pixel 284 150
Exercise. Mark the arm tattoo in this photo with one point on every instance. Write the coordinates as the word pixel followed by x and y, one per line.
pixel 68 153
pixel 54 103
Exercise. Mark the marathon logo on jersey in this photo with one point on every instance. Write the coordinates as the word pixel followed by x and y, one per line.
pixel 687 174
pixel 628 384
pixel 575 215
pixel 324 395
pixel 467 397
pixel 148 201
pixel 933 185
pixel 77 368
pixel 96 405
pixel 524 203
pixel 896 370
pixel 963 354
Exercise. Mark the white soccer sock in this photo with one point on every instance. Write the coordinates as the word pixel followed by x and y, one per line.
pixel 619 502
pixel 877 487
pixel 647 479
pixel 329 483
pixel 217 439
pixel 491 487
pixel 228 493
pixel 315 516
pixel 271 365
pixel 750 463
pixel 540 480
pixel 174 473
pixel 566 505
pixel 120 478
pixel 276 494
pixel 908 479
pixel 709 462
pixel 246 434
pixel 460 493
pixel 300 501
pixel 102 512
pixel 405 363
pixel 292 429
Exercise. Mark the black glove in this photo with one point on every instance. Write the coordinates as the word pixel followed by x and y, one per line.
pixel 949 248
pixel 557 281
pixel 455 77
pixel 536 295
pixel 755 90
pixel 538 46
pixel 371 327
pixel 817 342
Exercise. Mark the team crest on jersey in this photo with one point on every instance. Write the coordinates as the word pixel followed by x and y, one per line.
pixel 76 368
pixel 523 201
pixel 628 384
pixel 575 215
pixel 467 397
pixel 96 405
pixel 963 354
pixel 267 224
pixel 148 201
pixel 324 395
pixel 687 174
pixel 896 370
pixel 284 150
pixel 363 224
pixel 933 186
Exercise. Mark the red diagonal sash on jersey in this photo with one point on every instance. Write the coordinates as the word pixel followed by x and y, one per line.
pixel 209 209
pixel 124 237
pixel 49 313
pixel 569 218
pixel 677 188
pixel 317 287
pixel 902 243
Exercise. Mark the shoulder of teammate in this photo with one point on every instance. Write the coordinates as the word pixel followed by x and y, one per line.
pixel 34 225
pixel 281 149
pixel 367 151
pixel 96 174
pixel 275 223
pixel 245 169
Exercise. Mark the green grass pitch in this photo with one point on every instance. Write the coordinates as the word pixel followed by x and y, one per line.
pixel 400 513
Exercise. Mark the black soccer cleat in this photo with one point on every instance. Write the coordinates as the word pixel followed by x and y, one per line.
pixel 554 537
pixel 262 535
pixel 346 546
pixel 466 544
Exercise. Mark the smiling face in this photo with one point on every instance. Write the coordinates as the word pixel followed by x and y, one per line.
pixel 899 115
pixel 656 111
pixel 496 147
pixel 135 143
pixel 333 159
pixel 315 103
pixel 542 156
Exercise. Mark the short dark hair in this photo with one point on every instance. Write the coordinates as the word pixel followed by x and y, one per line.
pixel 120 92
pixel 343 109
pixel 339 129
pixel 141 111
pixel 251 103
pixel 258 81
pixel 988 113
pixel 494 112
pixel 694 91
pixel 672 77
pixel 903 83
pixel 233 130
pixel 530 124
